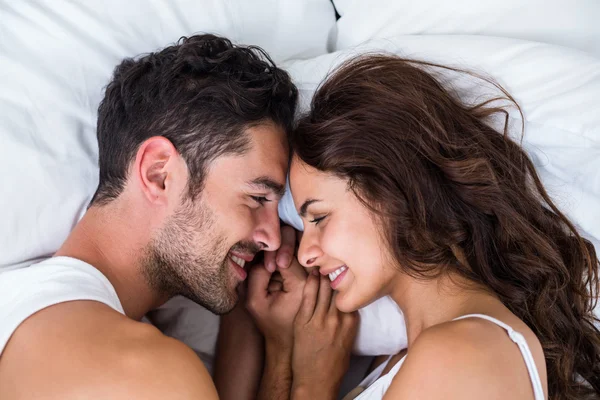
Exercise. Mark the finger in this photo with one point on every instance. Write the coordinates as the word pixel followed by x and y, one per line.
pixel 269 260
pixel 324 297
pixel 275 286
pixel 294 275
pixel 309 299
pixel 285 253
pixel 258 282
pixel 333 310
pixel 276 276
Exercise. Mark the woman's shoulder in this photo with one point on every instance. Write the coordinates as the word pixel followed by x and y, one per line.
pixel 470 358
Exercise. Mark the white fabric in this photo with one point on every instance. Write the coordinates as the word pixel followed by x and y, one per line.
pixel 55 58
pixel 382 329
pixel 23 292
pixel 376 373
pixel 376 385
pixel 567 23
pixel 287 209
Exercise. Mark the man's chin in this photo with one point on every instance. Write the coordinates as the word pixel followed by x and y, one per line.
pixel 222 310
pixel 220 305
pixel 225 307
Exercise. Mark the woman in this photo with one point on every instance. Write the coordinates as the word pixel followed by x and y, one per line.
pixel 405 191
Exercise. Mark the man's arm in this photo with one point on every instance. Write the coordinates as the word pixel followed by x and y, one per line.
pixel 276 381
pixel 239 357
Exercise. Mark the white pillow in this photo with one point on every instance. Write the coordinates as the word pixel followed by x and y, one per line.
pixel 571 23
pixel 55 58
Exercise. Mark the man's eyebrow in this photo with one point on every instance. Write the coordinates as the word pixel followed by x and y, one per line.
pixel 266 183
pixel 305 205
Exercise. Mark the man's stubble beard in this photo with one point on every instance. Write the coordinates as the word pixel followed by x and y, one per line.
pixel 174 264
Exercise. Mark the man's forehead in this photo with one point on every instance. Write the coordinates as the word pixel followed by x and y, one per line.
pixel 268 152
pixel 264 163
pixel 268 139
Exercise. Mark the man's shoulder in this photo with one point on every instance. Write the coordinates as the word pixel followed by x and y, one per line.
pixel 88 348
pixel 161 367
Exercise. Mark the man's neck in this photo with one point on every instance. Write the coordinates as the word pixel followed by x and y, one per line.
pixel 108 243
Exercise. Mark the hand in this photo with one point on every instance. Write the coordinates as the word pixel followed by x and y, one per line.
pixel 282 258
pixel 323 338
pixel 274 303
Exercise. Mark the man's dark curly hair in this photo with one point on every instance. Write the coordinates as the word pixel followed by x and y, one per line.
pixel 201 94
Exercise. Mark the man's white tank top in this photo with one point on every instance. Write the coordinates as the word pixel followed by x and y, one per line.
pixel 25 291
pixel 374 386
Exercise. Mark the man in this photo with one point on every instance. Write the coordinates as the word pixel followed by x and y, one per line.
pixel 193 156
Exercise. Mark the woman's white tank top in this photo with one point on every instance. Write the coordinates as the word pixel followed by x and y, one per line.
pixel 374 386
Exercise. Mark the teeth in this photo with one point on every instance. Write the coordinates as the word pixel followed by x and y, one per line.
pixel 337 273
pixel 238 261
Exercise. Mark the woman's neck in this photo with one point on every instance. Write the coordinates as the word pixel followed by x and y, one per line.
pixel 426 303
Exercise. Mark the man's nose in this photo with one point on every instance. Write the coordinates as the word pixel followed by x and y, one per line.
pixel 268 232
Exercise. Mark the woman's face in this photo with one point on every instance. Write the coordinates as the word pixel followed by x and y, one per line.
pixel 341 237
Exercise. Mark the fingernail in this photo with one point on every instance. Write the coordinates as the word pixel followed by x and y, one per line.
pixel 283 260
pixel 271 266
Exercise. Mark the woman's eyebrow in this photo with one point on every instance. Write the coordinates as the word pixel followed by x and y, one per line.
pixel 305 205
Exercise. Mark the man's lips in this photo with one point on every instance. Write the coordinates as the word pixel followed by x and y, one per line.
pixel 242 273
pixel 246 257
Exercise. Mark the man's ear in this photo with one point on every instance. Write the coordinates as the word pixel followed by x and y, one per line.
pixel 155 161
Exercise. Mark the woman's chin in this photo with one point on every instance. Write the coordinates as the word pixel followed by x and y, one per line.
pixel 345 304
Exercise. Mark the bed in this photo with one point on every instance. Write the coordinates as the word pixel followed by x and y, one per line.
pixel 56 57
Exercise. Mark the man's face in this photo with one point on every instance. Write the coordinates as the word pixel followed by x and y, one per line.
pixel 202 249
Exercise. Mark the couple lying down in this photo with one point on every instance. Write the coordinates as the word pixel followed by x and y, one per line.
pixel 403 190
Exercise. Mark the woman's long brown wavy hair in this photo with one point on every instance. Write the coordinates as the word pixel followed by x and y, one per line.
pixel 454 194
